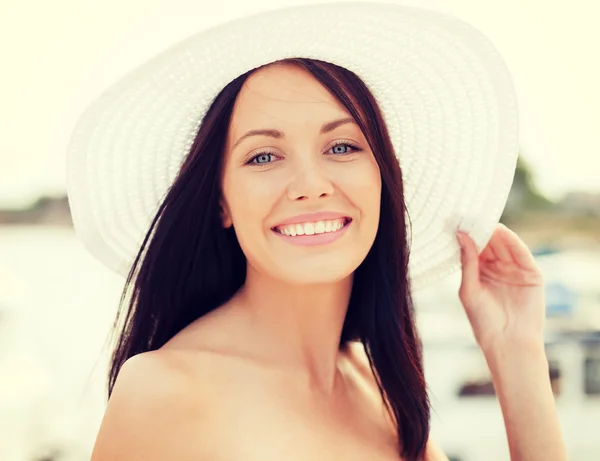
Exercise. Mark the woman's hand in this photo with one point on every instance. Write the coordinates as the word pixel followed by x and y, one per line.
pixel 502 291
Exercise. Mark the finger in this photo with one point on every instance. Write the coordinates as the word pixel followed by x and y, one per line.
pixel 518 249
pixel 498 245
pixel 488 254
pixel 470 262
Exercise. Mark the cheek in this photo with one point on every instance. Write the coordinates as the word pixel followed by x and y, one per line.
pixel 362 185
pixel 251 200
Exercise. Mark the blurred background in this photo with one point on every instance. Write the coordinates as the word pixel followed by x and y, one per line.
pixel 57 303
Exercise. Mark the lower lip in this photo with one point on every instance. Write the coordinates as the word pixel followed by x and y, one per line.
pixel 315 239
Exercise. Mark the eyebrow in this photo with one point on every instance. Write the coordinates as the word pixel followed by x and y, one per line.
pixel 329 126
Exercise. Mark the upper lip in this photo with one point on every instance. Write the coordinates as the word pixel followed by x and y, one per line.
pixel 312 217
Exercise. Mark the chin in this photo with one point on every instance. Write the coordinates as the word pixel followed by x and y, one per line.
pixel 316 272
pixel 315 280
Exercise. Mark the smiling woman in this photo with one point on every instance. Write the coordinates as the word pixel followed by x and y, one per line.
pixel 267 312
pixel 287 302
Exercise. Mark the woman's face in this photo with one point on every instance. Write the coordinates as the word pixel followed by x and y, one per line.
pixel 298 163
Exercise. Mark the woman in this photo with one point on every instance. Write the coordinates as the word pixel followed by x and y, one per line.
pixel 270 314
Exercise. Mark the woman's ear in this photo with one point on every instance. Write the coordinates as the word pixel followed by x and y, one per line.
pixel 225 214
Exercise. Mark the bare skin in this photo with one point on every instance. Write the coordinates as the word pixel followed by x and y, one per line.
pixel 219 398
pixel 262 377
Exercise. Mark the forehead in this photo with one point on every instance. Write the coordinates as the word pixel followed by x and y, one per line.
pixel 282 94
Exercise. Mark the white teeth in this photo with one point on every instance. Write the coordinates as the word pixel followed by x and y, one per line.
pixel 319 227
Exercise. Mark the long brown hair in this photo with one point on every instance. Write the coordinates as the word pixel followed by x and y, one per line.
pixel 186 237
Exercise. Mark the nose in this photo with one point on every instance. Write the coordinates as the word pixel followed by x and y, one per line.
pixel 309 181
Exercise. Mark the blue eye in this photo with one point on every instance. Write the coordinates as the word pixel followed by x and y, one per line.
pixel 340 148
pixel 336 148
pixel 261 158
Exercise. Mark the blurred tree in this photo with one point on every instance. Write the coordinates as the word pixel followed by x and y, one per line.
pixel 524 195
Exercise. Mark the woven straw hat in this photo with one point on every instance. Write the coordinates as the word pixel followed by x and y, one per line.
pixel 444 90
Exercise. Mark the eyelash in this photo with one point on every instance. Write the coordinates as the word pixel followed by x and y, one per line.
pixel 337 143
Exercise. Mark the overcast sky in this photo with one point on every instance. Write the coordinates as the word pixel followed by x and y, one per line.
pixel 57 56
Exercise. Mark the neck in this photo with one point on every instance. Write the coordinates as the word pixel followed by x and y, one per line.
pixel 298 326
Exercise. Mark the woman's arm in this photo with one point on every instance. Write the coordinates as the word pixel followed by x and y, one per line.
pixel 520 374
pixel 503 293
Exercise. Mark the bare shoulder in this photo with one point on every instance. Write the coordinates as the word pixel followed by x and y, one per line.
pixel 360 360
pixel 151 396
pixel 433 452
pixel 365 379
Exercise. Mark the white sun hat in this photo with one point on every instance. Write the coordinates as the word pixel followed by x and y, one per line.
pixel 445 92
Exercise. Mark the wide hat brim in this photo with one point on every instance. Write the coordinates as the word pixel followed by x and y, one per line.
pixel 445 92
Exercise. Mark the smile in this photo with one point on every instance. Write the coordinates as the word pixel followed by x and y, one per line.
pixel 313 233
pixel 312 228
